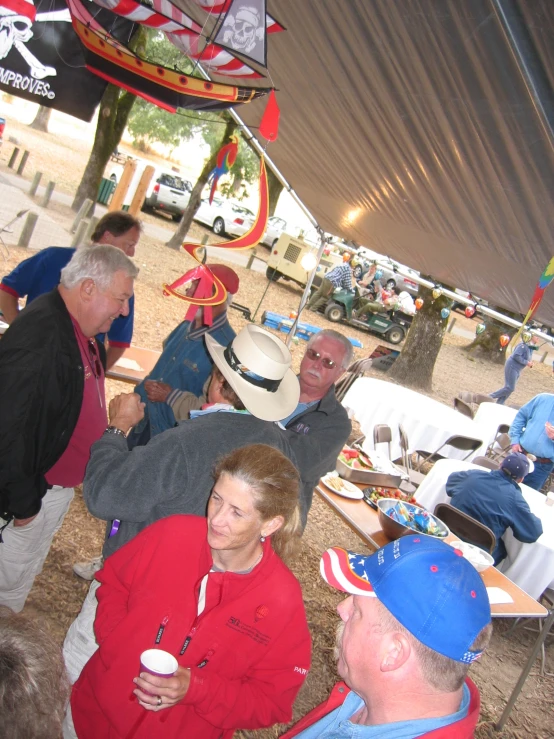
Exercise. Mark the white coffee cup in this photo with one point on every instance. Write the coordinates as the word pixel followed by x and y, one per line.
pixel 550 498
pixel 157 662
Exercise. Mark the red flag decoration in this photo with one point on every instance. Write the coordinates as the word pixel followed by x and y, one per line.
pixel 269 125
pixel 205 295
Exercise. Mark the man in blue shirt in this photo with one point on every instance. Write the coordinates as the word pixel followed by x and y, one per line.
pixel 339 277
pixel 41 273
pixel 515 364
pixel 495 499
pixel 417 616
pixel 532 432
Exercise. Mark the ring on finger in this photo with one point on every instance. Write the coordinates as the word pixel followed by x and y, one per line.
pixel 159 701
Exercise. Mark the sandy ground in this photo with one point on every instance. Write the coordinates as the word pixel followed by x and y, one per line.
pixel 58 594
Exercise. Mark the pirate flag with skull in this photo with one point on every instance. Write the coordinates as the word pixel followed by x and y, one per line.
pixel 244 30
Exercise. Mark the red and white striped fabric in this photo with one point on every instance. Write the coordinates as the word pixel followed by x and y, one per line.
pixel 335 567
pixel 212 57
pixel 138 13
pixel 182 31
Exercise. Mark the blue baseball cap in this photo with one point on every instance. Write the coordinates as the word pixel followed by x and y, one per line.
pixel 516 465
pixel 427 585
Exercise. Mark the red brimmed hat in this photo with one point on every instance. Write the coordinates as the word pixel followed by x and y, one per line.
pixel 427 585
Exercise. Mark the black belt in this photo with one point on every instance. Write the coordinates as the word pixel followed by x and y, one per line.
pixel 541 460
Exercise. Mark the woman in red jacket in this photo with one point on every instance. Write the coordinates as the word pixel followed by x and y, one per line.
pixel 214 593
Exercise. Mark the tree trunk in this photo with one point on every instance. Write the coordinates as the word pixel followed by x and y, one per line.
pixel 487 345
pixel 40 121
pixel 414 367
pixel 196 195
pixel 115 107
pixel 275 188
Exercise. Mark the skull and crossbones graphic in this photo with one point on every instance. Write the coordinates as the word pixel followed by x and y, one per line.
pixel 16 19
pixel 244 30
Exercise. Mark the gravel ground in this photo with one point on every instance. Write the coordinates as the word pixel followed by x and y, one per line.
pixel 58 594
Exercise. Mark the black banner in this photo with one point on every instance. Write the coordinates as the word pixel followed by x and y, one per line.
pixel 41 58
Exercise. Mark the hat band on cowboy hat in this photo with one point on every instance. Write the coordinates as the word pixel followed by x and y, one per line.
pixel 257 366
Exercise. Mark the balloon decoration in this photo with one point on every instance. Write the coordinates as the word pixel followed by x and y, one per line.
pixel 526 336
pixel 480 328
pixel 470 311
pixel 418 302
pixel 504 340
pixel 378 274
pixel 437 292
pixel 445 312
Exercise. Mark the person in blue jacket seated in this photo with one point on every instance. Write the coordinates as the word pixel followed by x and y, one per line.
pixel 495 499
pixel 515 364
pixel 416 617
pixel 41 273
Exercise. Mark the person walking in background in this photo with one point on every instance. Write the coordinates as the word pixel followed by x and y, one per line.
pixel 41 273
pixel 532 432
pixel 337 278
pixel 515 364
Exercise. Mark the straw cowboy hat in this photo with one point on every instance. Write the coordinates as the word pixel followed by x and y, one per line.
pixel 257 366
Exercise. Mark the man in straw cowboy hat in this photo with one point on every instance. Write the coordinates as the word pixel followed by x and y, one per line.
pixel 416 617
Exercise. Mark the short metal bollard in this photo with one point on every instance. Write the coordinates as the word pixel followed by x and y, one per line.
pixel 83 213
pixel 47 194
pixel 15 154
pixel 251 259
pixel 35 183
pixel 27 230
pixel 23 162
pixel 80 233
pixel 91 228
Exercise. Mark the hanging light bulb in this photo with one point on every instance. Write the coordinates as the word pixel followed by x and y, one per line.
pixel 480 328
pixel 437 292
pixel 470 311
pixel 418 302
pixel 445 312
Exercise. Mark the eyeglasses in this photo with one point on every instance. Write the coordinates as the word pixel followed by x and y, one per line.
pixel 325 361
pixel 96 365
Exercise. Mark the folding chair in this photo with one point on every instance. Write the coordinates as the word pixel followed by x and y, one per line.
pixel 501 444
pixel 466 527
pixel 415 478
pixel 464 443
pixel 479 398
pixel 490 464
pixel 463 407
pixel 356 369
pixel 382 434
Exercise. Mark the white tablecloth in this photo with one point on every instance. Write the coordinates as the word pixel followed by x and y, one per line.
pixel 489 416
pixel 531 566
pixel 427 423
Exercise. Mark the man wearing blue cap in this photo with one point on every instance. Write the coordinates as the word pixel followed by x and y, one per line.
pixel 495 499
pixel 417 616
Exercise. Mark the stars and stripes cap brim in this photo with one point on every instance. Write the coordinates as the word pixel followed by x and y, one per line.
pixel 345 571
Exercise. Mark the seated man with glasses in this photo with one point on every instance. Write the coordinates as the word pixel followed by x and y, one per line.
pixel 319 426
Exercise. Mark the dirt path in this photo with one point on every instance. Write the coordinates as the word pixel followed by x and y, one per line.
pixel 58 594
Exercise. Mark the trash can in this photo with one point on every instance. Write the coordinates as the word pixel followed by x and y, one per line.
pixel 105 191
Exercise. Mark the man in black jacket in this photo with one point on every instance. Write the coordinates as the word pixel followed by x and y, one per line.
pixel 52 406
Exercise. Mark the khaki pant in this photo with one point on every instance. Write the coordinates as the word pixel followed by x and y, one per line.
pixel 321 295
pixel 80 643
pixel 24 548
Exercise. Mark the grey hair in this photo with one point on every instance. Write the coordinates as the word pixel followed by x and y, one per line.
pixel 98 263
pixel 340 339
pixel 33 682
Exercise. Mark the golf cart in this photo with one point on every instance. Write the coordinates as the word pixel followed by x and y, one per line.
pixel 392 325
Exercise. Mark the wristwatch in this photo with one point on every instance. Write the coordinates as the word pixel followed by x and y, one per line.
pixel 114 430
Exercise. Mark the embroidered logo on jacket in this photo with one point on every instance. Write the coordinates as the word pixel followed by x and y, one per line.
pixel 250 631
pixel 300 428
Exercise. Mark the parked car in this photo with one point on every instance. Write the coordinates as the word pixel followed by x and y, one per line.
pixel 391 276
pixel 224 217
pixel 275 227
pixel 170 194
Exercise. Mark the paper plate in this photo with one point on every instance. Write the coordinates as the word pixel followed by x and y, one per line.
pixel 342 487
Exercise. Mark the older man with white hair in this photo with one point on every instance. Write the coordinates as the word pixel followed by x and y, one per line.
pixel 416 617
pixel 53 407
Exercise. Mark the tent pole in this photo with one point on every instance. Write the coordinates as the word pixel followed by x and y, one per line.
pixel 306 293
